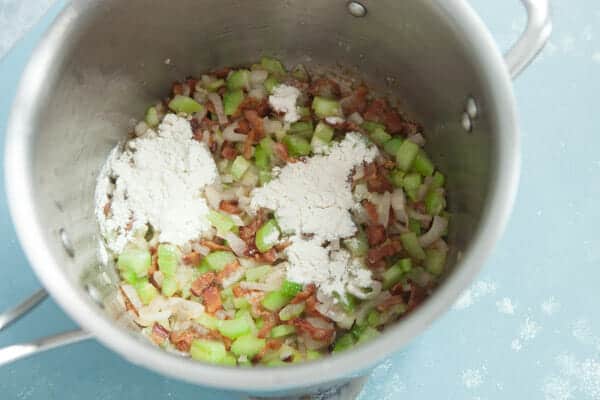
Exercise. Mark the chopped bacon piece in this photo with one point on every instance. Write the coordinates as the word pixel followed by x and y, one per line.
pixel 386 249
pixel 281 151
pixel 228 270
pixel 228 151
pixel 202 283
pixel 106 209
pixel 376 234
pixel 248 232
pixel 261 107
pixel 390 301
pixel 311 308
pixel 357 102
pixel 283 245
pixel 196 129
pixel 325 87
pixel 248 144
pixel 153 264
pixel 243 127
pixel 371 211
pixel 269 321
pixel 268 257
pixel 159 333
pixel 376 178
pixel 229 206
pixel 238 291
pixel 213 245
pixel 212 299
pixel 417 295
pixel 221 73
pixel 308 291
pixel 256 123
pixel 191 82
pixel 182 340
pixel 380 111
pixel 271 344
pixel 177 88
pixel 192 258
pixel 314 332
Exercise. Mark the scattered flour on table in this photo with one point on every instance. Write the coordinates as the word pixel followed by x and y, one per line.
pixel 528 331
pixel 283 100
pixel 159 178
pixel 505 306
pixel 596 57
pixel 550 306
pixel 474 293
pixel 576 379
pixel 472 378
pixel 384 383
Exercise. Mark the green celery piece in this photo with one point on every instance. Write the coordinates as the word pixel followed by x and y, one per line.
pixel 274 301
pixel 437 181
pixel 380 136
pixel 272 65
pixel 217 260
pixel 357 330
pixel 227 292
pixel 291 289
pixel 152 117
pixel 229 359
pixel 348 302
pixel 302 128
pixel 239 79
pixel 411 184
pixel 239 167
pixel 214 85
pixel 185 104
pixel 130 277
pixel 304 112
pixel 270 83
pixel 264 177
pixel 395 273
pixel 396 176
pixel 410 242
pixel 368 334
pixel 267 145
pixel 323 132
pixel 257 273
pixel 211 351
pixel 434 261
pixel 371 126
pixel 233 328
pixel 146 291
pixel 261 158
pixel 221 221
pixel 434 202
pixel 299 72
pixel 208 321
pixel 391 146
pixel 169 286
pixel 247 345
pixel 423 164
pixel 168 259
pixel 275 363
pixel 241 303
pixel 203 267
pixel 134 262
pixel 373 318
pixel 282 330
pixel 232 100
pixel 343 343
pixel 324 107
pixel 267 236
pixel 313 355
pixel 357 245
pixel 297 146
pixel 407 152
pixel 291 311
pixel 414 226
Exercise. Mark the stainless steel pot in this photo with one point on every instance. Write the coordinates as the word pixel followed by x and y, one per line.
pixel 101 63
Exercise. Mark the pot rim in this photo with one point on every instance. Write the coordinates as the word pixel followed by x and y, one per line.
pixel 19 189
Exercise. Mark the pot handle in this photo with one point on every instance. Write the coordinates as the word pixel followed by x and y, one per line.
pixel 533 38
pixel 15 352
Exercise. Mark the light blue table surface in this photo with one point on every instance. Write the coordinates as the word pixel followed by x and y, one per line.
pixel 529 326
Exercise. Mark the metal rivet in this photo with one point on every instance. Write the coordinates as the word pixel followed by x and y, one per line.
pixel 357 9
pixel 66 242
pixel 466 122
pixel 471 108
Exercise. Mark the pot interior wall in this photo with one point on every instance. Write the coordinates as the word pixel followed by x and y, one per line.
pixel 114 65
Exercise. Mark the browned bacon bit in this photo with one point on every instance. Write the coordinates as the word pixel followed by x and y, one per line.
pixel 221 73
pixel 213 245
pixel 153 264
pixel 196 129
pixel 177 88
pixel 248 144
pixel 269 321
pixel 389 302
pixel 191 82
pixel 202 283
pixel 248 232
pixel 243 127
pixel 420 207
pixel 227 271
pixel 371 211
pixel 380 111
pixel 386 249
pixel 229 206
pixel 314 332
pixel 182 340
pixel 261 107
pixel 282 152
pixel 417 295
pixel 410 128
pixel 192 258
pixel 268 257
pixel 271 344
pixel 238 291
pixel 376 234
pixel 325 87
pixel 106 209
pixel 311 308
pixel 357 102
pixel 128 304
pixel 283 245
pixel 212 299
pixel 229 152
pixel 376 179
pixel 256 122
pixel 213 146
pixel 159 333
pixel 304 294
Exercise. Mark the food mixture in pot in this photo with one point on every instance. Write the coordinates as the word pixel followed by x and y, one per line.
pixel 265 216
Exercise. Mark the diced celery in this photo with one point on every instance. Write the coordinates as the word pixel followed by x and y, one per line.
pixel 239 167
pixel 267 145
pixel 207 321
pixel 221 221
pixel 291 289
pixel 247 345
pixel 229 359
pixel 261 158
pixel 304 112
pixel 272 65
pixel 380 136
pixel 168 259
pixel 395 273
pixel 169 286
pixel 299 72
pixel 312 355
pixel 203 267
pixel 267 236
pixel 407 152
pixel 233 328
pixel 232 100
pixel 134 262
pixel 411 184
pixel 371 126
pixel 357 245
pixel 343 343
pixel 396 177
pixel 257 273
pixel 302 128
pixel 391 146
pixel 241 303
pixel 214 85
pixel 274 301
pixel 282 330
pixel 410 242
pixel 146 291
pixel 357 330
pixel 185 104
pixel 238 79
pixel 297 146
pixel 423 164
pixel 130 277
pixel 264 177
pixel 434 202
pixel 270 83
pixel 217 260
pixel 368 334
pixel 323 132
pixel 291 311
pixel 348 302
pixel 275 363
pixel 324 107
pixel 211 351
pixel 414 226
pixel 227 293
pixel 152 117
pixel 434 261
pixel 373 318
pixel 437 181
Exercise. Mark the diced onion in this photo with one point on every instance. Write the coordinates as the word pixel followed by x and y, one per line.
pixel 215 99
pixel 361 294
pixel 417 139
pixel 237 220
pixel 335 313
pixel 257 93
pixel 198 248
pixel 258 286
pixel 418 216
pixel 213 196
pixel 132 296
pixel 271 126
pixel 258 76
pixel 438 227
pixel 231 135
pixel 398 202
pixel 237 245
pixel 233 277
pixel 356 118
pixel 383 208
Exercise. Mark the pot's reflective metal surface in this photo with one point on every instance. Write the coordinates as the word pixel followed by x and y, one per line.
pixel 103 62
